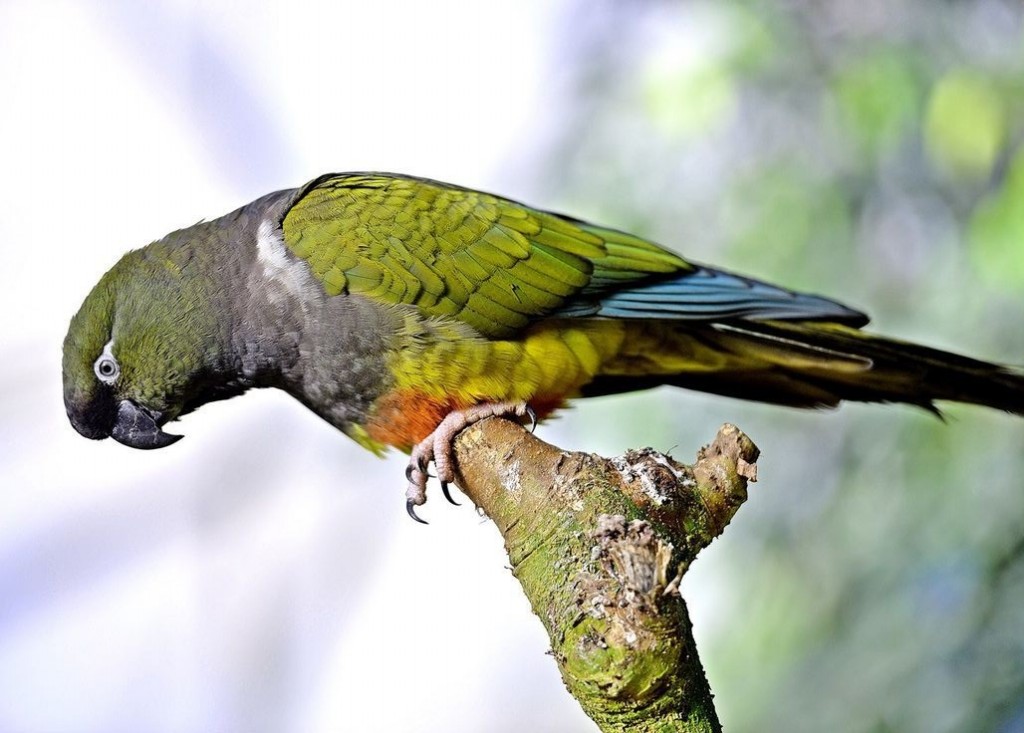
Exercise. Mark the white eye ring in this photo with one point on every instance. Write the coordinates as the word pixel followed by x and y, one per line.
pixel 106 366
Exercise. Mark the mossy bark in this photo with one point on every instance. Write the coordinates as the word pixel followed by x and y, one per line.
pixel 599 546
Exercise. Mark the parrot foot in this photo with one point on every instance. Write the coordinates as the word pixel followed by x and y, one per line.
pixel 438 447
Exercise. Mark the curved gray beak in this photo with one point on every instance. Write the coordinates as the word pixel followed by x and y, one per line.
pixel 137 427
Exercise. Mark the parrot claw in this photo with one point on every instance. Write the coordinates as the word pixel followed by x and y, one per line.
pixel 532 414
pixel 410 507
pixel 413 467
pixel 447 494
pixel 439 448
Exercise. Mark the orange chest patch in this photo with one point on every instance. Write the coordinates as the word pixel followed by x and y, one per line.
pixel 439 369
pixel 402 418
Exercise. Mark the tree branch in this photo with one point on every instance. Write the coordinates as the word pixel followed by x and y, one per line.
pixel 600 546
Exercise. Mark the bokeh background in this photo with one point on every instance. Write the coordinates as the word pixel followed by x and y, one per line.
pixel 262 575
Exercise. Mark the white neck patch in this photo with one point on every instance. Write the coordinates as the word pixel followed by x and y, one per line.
pixel 287 273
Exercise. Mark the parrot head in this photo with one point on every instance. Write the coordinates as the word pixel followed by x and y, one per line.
pixel 140 351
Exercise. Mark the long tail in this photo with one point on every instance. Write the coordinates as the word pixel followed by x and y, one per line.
pixel 807 364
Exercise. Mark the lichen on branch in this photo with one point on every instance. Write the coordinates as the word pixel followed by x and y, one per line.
pixel 600 546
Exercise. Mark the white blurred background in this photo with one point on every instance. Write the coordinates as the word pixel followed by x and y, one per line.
pixel 261 575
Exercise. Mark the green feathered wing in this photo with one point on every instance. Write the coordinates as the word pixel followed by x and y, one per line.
pixel 502 267
pixel 499 266
pixel 487 261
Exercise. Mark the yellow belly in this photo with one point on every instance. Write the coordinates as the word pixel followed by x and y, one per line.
pixel 552 359
pixel 441 365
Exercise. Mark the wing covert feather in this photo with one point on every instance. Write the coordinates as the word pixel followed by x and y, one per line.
pixel 498 265
pixel 488 261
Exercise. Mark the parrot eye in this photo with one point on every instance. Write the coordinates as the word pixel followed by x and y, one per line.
pixel 106 367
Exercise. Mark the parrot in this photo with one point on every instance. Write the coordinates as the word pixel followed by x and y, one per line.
pixel 402 309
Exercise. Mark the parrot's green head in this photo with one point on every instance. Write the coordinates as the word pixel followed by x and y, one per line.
pixel 140 351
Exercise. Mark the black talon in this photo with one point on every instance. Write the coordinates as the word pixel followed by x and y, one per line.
pixel 531 413
pixel 411 508
pixel 444 490
pixel 419 466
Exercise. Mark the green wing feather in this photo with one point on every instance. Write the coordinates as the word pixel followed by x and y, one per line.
pixel 490 262
pixel 498 266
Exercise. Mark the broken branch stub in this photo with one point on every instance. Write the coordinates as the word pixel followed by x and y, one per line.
pixel 600 546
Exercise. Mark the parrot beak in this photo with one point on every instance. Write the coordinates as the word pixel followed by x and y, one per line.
pixel 137 427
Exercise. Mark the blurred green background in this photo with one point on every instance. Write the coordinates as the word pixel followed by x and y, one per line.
pixel 873 151
pixel 262 575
